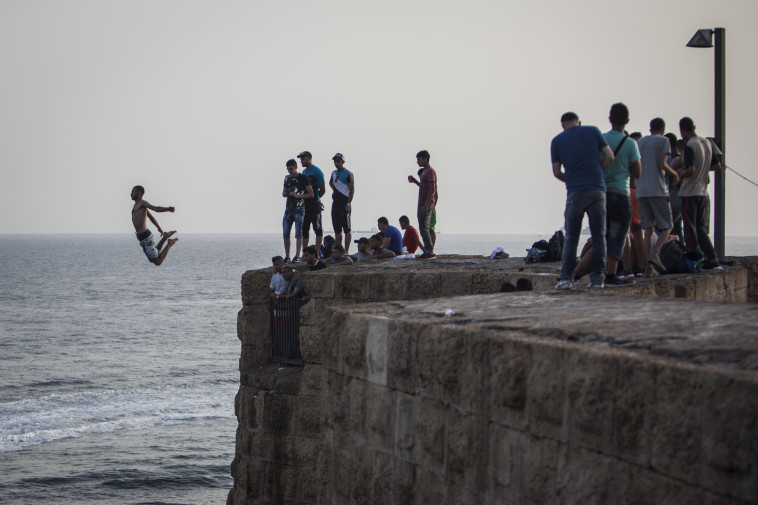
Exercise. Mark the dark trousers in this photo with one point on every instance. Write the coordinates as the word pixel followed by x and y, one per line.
pixel 696 211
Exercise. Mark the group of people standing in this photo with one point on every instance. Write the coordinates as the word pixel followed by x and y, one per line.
pixel 611 177
pixel 305 190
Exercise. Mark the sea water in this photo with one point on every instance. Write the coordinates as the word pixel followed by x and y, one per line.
pixel 117 378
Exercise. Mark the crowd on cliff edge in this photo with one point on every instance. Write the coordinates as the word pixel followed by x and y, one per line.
pixel 644 197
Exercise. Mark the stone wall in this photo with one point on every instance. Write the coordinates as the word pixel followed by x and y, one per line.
pixel 368 422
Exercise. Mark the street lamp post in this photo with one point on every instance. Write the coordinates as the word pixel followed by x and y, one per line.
pixel 703 38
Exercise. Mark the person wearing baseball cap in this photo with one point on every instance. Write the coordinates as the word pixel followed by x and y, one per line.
pixel 313 205
pixel 342 183
pixel 364 253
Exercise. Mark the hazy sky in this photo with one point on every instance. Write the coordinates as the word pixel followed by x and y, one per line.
pixel 202 102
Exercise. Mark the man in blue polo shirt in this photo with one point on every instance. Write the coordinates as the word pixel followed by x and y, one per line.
pixel 393 239
pixel 578 149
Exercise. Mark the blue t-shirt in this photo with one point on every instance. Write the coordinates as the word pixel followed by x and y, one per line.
pixel 396 239
pixel 315 178
pixel 578 150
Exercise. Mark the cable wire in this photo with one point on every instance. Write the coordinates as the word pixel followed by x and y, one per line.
pixel 736 172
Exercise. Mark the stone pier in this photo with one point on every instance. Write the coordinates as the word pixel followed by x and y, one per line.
pixel 643 394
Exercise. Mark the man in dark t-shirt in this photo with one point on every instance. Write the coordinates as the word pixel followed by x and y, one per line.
pixel 296 190
pixel 584 155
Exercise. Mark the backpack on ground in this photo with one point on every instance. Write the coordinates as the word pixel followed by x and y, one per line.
pixel 555 246
pixel 677 260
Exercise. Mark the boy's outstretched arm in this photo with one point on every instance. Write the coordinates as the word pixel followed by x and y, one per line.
pixel 149 215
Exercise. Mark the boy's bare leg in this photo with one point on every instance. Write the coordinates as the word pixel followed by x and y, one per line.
pixel 164 236
pixel 157 261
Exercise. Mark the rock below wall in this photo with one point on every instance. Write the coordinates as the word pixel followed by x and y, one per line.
pixel 536 397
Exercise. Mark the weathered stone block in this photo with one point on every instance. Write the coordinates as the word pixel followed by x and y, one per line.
pixel 313 380
pixel 352 475
pixel 243 439
pixel 590 385
pixel 311 344
pixel 382 473
pixel 406 410
pixel 402 361
pixel 356 423
pixel 377 343
pixel 389 285
pixel 546 390
pixel 730 436
pixel 318 284
pixel 253 358
pixel 509 368
pixel 677 423
pixel 466 450
pixel 631 411
pixel 440 359
pixel 356 286
pixel 253 325
pixel 297 451
pixel 538 474
pixel 505 459
pixel 277 413
pixel 582 476
pixel 430 439
pixel 338 398
pixel 353 349
pixel 429 488
pixel 404 484
pixel 255 286
pixel 423 284
pixel 632 485
pixel 308 416
pixel 380 416
pixel 457 495
pixel 263 445
pixel 454 283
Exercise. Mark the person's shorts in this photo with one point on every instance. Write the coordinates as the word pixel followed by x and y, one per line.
pixel 148 246
pixel 618 217
pixel 340 217
pixel 312 218
pixel 291 216
pixel 655 211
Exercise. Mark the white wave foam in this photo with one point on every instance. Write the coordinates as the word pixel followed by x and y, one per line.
pixel 46 419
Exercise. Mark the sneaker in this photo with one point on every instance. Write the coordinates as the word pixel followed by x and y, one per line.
pixel 563 285
pixel 655 260
pixel 617 280
pixel 639 274
pixel 719 268
pixel 287 260
pixel 597 285
pixel 651 271
pixel 427 255
pixel 710 265
pixel 297 259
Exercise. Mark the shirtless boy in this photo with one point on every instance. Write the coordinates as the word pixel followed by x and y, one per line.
pixel 140 213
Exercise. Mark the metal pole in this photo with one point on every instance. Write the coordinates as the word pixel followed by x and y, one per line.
pixel 720 124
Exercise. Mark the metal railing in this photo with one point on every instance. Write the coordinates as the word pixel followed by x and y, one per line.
pixel 284 329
